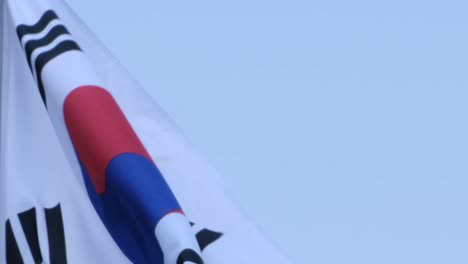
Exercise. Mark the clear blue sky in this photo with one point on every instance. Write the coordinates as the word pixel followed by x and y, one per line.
pixel 340 126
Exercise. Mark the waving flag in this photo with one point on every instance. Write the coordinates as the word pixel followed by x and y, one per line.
pixel 91 169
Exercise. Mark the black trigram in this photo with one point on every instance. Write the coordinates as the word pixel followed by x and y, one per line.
pixel 47 30
pixel 206 237
pixel 189 255
pixel 55 235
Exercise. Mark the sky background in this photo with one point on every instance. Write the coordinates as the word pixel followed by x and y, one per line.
pixel 340 126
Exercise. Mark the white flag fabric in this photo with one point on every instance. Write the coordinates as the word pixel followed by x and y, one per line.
pixel 91 169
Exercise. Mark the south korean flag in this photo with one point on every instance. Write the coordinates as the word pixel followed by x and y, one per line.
pixel 91 169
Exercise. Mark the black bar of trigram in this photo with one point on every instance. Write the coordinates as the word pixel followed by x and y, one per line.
pixel 43 22
pixel 57 248
pixel 188 255
pixel 52 35
pixel 29 224
pixel 44 58
pixel 206 237
pixel 13 254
